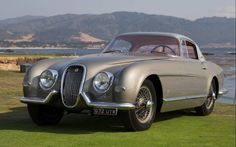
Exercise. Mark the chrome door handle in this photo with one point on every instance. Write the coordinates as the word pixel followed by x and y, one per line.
pixel 204 67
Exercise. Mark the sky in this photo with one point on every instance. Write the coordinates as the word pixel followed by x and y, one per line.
pixel 189 9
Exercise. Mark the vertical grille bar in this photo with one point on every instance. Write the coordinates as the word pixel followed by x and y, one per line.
pixel 72 83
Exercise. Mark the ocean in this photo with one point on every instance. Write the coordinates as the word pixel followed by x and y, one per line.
pixel 218 50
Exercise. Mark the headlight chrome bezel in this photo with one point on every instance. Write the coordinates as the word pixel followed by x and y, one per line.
pixel 54 75
pixel 110 77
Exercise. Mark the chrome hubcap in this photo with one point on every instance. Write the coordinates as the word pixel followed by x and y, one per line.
pixel 144 105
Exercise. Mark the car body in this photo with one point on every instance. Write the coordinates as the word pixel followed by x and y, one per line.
pixel 153 72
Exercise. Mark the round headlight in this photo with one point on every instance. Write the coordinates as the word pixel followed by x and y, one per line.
pixel 48 79
pixel 102 81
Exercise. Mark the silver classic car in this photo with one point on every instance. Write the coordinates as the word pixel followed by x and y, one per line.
pixel 136 76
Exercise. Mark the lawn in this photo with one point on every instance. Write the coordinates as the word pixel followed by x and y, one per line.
pixel 180 128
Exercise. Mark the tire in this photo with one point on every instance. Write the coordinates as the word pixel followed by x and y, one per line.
pixel 45 115
pixel 209 103
pixel 146 105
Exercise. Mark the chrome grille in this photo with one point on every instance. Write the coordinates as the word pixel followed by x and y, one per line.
pixel 72 85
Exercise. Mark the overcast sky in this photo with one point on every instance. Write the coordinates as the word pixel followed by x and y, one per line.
pixel 190 9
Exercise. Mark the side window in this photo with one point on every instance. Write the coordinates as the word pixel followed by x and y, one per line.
pixel 191 48
pixel 184 49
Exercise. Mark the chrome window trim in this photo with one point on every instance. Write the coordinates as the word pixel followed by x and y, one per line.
pixel 81 85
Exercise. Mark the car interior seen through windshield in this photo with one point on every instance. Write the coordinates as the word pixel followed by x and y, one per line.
pixel 144 44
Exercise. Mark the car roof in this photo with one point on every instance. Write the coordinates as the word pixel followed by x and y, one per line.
pixel 175 35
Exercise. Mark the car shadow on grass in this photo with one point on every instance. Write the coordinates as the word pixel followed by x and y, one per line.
pixel 175 114
pixel 18 119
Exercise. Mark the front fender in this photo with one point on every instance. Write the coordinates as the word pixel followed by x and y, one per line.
pixel 31 79
pixel 129 81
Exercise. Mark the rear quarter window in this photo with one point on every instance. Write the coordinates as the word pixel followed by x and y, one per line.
pixel 192 50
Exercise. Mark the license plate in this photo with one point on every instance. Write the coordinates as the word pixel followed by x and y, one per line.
pixel 103 111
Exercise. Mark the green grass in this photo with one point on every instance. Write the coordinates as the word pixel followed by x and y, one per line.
pixel 180 128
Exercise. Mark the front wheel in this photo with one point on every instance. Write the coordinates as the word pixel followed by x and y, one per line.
pixel 45 115
pixel 143 115
pixel 208 105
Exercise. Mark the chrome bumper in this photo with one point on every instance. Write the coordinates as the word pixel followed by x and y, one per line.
pixel 39 100
pixel 119 106
pixel 222 92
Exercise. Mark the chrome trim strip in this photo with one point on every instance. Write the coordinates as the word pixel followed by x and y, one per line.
pixel 81 85
pixel 179 75
pixel 39 100
pixel 119 106
pixel 184 98
pixel 222 92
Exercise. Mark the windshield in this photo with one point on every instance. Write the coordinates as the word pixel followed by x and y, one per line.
pixel 146 44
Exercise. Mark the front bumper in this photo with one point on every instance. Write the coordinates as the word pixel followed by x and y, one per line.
pixel 39 100
pixel 108 105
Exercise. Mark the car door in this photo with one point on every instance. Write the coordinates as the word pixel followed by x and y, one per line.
pixel 195 71
pixel 188 87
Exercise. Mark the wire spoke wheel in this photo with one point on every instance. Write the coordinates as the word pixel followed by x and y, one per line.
pixel 143 104
pixel 210 98
pixel 142 117
pixel 207 107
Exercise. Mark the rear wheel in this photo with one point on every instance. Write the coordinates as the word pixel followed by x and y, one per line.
pixel 143 115
pixel 209 103
pixel 45 115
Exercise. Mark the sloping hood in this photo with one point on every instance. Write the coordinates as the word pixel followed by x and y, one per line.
pixel 116 58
